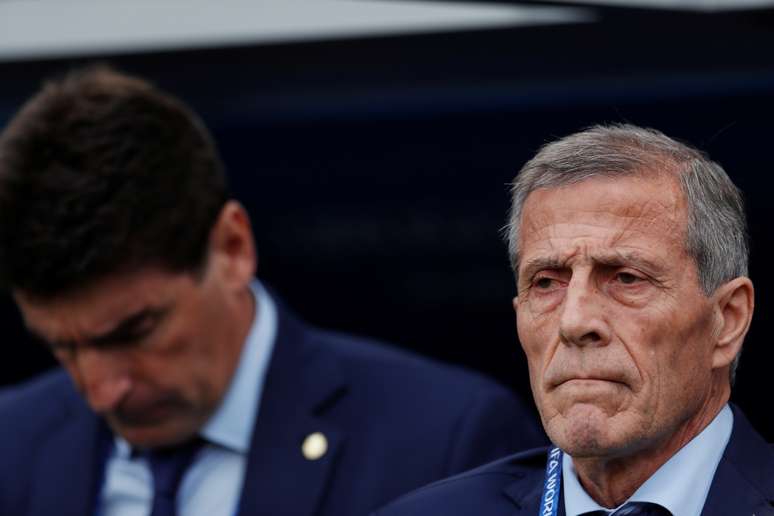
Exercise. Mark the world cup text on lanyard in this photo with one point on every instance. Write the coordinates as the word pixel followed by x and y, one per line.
pixel 549 502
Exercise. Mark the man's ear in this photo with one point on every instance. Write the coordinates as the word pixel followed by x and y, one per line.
pixel 232 246
pixel 734 302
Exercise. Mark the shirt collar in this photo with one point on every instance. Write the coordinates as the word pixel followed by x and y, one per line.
pixel 231 425
pixel 681 484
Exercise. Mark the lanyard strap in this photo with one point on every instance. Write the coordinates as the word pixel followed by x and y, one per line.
pixel 549 502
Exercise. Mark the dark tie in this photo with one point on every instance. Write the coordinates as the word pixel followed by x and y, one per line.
pixel 168 466
pixel 634 509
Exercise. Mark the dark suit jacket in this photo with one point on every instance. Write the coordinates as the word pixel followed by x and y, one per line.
pixel 743 484
pixel 393 423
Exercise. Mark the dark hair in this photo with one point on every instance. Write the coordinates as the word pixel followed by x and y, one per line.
pixel 102 173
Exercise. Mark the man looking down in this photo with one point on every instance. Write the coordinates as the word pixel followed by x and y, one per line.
pixel 186 386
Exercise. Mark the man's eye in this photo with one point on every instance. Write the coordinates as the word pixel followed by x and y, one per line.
pixel 62 349
pixel 544 283
pixel 131 338
pixel 627 278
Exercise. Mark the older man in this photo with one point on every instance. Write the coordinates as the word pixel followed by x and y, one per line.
pixel 186 386
pixel 633 301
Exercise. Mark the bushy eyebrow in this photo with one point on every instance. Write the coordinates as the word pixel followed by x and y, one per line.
pixel 631 259
pixel 540 263
pixel 126 330
pixel 129 327
pixel 611 259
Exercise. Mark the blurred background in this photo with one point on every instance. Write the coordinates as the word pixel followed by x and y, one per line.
pixel 373 142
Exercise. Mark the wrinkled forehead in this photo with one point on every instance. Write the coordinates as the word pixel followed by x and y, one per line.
pixel 643 210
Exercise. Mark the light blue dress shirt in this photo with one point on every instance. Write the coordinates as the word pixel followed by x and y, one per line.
pixel 213 483
pixel 681 484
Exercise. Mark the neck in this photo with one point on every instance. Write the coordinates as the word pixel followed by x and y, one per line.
pixel 610 481
pixel 245 314
pixel 241 312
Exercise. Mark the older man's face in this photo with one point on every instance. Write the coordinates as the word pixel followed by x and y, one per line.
pixel 616 329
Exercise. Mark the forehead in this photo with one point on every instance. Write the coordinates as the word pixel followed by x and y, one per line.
pixel 100 306
pixel 643 212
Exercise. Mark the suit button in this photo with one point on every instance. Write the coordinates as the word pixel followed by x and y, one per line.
pixel 315 445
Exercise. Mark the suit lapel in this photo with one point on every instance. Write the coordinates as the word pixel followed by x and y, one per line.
pixel 69 465
pixel 301 383
pixel 744 481
pixel 526 491
pixel 525 494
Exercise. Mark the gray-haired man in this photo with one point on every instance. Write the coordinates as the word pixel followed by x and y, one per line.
pixel 633 302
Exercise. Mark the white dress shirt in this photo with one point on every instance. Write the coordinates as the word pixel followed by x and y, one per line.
pixel 680 485
pixel 213 483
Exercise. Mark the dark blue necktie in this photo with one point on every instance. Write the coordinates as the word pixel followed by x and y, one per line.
pixel 168 466
pixel 635 509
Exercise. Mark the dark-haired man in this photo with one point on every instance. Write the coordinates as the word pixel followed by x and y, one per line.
pixel 630 256
pixel 203 394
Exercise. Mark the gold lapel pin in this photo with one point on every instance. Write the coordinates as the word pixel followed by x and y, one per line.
pixel 315 445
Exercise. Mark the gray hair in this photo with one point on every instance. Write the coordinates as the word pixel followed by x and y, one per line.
pixel 716 236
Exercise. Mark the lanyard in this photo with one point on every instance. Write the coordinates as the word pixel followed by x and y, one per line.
pixel 549 502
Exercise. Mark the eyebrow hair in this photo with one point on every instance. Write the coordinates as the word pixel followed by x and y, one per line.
pixel 634 258
pixel 539 263
pixel 124 332
pixel 615 258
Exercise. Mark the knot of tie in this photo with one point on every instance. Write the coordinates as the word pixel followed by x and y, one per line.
pixel 634 509
pixel 168 466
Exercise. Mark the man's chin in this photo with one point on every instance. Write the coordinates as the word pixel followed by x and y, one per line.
pixel 583 432
pixel 158 435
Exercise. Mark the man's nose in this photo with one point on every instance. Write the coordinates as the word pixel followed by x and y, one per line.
pixel 103 376
pixel 583 321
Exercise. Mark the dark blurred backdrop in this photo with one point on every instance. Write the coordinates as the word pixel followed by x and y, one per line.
pixel 376 169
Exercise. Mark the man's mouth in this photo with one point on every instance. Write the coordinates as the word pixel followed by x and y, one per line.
pixel 587 380
pixel 146 413
pixel 590 382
